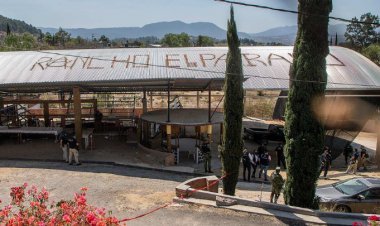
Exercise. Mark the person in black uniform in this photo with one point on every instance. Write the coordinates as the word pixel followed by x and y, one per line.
pixel 206 152
pixel 246 165
pixel 73 150
pixel 326 160
pixel 280 155
pixel 264 164
pixel 347 152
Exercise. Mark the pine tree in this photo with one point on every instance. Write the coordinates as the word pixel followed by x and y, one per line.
pixel 336 39
pixel 232 145
pixel 331 42
pixel 8 30
pixel 304 134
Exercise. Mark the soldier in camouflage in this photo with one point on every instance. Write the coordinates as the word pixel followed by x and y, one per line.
pixel 277 183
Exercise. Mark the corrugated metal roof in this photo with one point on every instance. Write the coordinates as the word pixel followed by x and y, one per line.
pixel 187 68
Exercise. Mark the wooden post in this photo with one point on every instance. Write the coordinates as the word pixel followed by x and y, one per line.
pixel 244 102
pixel 151 101
pixel 169 139
pixel 61 96
pixel 46 114
pixel 144 102
pixel 377 157
pixel 209 102
pixel 168 102
pixel 1 108
pixel 77 114
pixel 197 99
pixel 221 134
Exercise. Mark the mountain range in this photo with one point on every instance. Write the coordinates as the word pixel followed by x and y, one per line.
pixel 285 35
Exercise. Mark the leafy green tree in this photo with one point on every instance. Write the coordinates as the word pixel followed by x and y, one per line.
pixel 104 40
pixel 248 42
pixel 61 37
pixel 362 35
pixel 232 146
pixel 25 41
pixel 204 41
pixel 303 132
pixel 373 53
pixel 176 40
pixel 49 39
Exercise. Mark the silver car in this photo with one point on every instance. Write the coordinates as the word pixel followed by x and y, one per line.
pixel 359 195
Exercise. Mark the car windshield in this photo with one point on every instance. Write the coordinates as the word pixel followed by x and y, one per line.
pixel 350 187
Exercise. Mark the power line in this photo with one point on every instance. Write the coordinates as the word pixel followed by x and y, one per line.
pixel 296 12
pixel 213 72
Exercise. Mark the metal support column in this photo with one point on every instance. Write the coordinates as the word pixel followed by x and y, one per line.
pixel 77 114
pixel 168 102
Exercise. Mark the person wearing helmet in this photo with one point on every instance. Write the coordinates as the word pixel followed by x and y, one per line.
pixel 277 183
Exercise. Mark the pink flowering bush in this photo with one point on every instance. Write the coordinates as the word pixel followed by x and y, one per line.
pixel 374 220
pixel 31 208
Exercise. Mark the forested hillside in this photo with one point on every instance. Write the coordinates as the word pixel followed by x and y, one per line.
pixel 17 26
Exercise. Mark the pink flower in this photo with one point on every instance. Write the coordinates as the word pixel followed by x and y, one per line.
pixel 31 219
pixel 66 218
pixel 374 218
pixel 83 188
pixel 91 218
pixel 80 199
pixel 37 213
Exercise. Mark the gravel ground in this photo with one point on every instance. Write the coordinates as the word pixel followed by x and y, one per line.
pixel 126 191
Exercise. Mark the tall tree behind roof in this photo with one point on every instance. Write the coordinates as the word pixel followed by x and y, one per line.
pixel 232 145
pixel 303 131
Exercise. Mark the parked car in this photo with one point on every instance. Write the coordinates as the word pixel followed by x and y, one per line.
pixel 359 195
pixel 259 135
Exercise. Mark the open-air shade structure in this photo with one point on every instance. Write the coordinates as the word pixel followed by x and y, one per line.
pixel 172 69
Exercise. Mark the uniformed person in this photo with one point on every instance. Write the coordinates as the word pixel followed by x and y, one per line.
pixel 206 152
pixel 277 183
pixel 63 142
pixel 347 152
pixel 73 150
pixel 246 165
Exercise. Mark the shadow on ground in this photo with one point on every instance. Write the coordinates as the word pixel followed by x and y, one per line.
pixel 108 168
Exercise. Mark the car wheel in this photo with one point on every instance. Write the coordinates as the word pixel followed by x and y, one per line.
pixel 342 208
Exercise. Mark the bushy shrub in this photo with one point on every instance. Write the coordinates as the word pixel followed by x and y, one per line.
pixel 32 207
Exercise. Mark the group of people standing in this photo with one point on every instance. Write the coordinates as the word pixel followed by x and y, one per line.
pixel 70 147
pixel 261 158
pixel 355 160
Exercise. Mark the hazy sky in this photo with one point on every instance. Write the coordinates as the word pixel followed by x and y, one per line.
pixel 127 13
